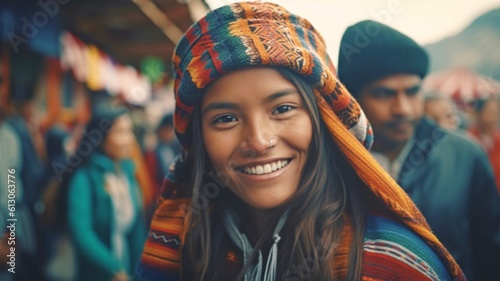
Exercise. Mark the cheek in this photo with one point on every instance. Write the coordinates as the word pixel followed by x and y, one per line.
pixel 299 134
pixel 108 148
pixel 489 117
pixel 121 141
pixel 376 112
pixel 219 147
pixel 418 106
pixel 118 144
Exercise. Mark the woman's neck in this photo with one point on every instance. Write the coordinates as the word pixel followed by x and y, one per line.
pixel 258 221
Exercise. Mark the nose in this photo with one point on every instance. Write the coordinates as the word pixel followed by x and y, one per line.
pixel 255 138
pixel 401 105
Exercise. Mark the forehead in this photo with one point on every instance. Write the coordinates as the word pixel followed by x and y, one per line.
pixel 397 82
pixel 246 83
pixel 438 107
pixel 438 102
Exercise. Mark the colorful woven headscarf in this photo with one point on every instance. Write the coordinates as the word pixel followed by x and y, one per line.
pixel 263 34
pixel 257 34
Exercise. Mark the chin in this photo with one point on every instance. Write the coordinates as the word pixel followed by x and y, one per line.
pixel 400 138
pixel 265 203
pixel 122 157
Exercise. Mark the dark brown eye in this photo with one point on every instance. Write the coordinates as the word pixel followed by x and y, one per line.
pixel 282 109
pixel 225 119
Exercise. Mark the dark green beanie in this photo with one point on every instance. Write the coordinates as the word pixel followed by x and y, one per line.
pixel 371 50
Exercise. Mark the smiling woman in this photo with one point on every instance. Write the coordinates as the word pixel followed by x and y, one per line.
pixel 265 125
pixel 276 182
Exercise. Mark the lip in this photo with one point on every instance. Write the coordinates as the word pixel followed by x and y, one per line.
pixel 264 177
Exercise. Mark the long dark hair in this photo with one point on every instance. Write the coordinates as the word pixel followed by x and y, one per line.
pixel 329 193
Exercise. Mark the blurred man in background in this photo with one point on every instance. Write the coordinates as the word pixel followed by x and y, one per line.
pixel 447 175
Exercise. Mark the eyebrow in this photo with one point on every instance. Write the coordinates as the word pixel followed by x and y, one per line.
pixel 392 91
pixel 280 94
pixel 219 105
pixel 230 105
pixel 382 89
pixel 415 88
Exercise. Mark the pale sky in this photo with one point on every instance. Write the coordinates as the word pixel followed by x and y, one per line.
pixel 425 21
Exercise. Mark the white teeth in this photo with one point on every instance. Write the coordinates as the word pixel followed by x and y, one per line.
pixel 274 167
pixel 265 169
pixel 260 170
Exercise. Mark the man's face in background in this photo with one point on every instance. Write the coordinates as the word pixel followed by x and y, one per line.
pixel 394 106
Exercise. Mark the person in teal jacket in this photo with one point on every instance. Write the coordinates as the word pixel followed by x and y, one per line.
pixel 105 215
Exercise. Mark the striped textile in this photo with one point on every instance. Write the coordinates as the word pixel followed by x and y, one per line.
pixel 161 260
pixel 391 251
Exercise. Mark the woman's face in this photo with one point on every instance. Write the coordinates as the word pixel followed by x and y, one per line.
pixel 241 112
pixel 119 140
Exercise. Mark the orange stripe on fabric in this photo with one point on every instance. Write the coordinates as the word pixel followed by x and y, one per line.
pixel 245 31
pixel 308 61
pixel 341 256
pixel 169 226
pixel 386 267
pixel 169 217
pixel 164 252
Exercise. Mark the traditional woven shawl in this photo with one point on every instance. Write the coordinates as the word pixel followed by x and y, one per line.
pixel 263 34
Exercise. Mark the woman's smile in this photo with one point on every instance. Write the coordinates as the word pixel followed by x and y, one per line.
pixel 265 168
pixel 266 172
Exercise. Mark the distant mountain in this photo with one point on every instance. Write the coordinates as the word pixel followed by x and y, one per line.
pixel 476 47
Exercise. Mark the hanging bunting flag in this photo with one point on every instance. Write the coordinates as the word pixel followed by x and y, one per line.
pixel 94 68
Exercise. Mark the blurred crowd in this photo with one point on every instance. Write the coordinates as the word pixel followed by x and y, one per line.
pixel 478 118
pixel 76 183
